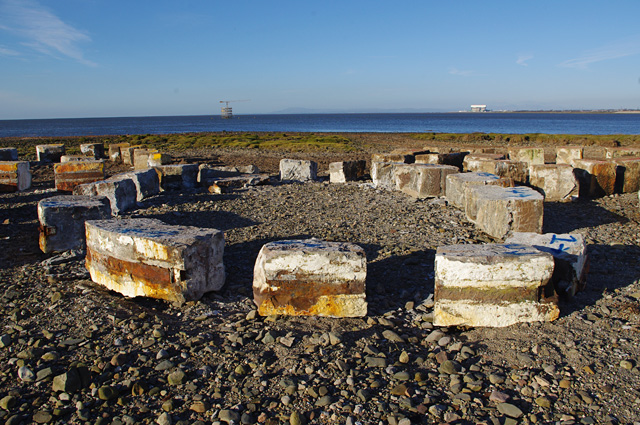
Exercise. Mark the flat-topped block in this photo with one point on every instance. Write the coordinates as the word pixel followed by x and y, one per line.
pixel 597 177
pixel 528 155
pixel 493 285
pixel 453 158
pixel 177 176
pixel 70 174
pixel 475 162
pixel 50 153
pixel 458 183
pixel 402 157
pixel 115 154
pixel 570 255
pixel 501 210
pixel 383 174
pixel 146 257
pixel 627 174
pixel 158 158
pixel 8 154
pixel 621 152
pixel 423 180
pixel 346 171
pixel 298 170
pixel 93 150
pixel 15 176
pixel 62 220
pixel 567 154
pixel 127 153
pixel 557 182
pixel 147 182
pixel 310 278
pixel 141 158
pixel 121 193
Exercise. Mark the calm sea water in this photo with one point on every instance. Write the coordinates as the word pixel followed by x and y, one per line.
pixel 517 123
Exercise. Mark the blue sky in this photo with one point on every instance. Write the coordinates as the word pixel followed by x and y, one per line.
pixel 95 58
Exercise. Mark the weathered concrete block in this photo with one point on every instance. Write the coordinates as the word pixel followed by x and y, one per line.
pixel 146 257
pixel 62 220
pixel 93 150
pixel 74 158
pixel 622 152
pixel 594 152
pixel 455 190
pixel 556 182
pixel 298 170
pixel 225 184
pixel 627 174
pixel 597 178
pixel 15 176
pixel 476 162
pixel 8 154
pixel 346 171
pixel 500 211
pixel 127 153
pixel 141 158
pixel 404 157
pixel 147 182
pixel 208 174
pixel 382 174
pixel 453 158
pixel 70 174
pixel 423 180
pixel 158 158
pixel 121 193
pixel 407 151
pixel 570 256
pixel 50 153
pixel 115 155
pixel 528 155
pixel 567 154
pixel 177 176
pixel 493 285
pixel 310 278
pixel 515 170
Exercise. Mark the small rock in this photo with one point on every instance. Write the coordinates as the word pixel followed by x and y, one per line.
pixel 392 336
pixel 296 418
pixel 107 393
pixel 176 378
pixel 228 416
pixel 509 409
pixel 8 402
pixel 164 419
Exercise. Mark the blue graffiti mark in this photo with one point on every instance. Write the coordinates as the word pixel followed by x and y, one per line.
pixel 555 238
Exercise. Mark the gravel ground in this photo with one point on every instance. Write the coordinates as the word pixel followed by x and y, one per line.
pixel 72 352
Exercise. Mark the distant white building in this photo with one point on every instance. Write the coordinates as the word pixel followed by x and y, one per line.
pixel 478 108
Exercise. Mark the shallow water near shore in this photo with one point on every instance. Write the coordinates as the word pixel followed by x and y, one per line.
pixel 513 123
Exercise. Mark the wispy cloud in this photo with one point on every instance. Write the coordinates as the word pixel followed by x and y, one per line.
pixel 617 50
pixel 522 59
pixel 8 52
pixel 463 73
pixel 42 30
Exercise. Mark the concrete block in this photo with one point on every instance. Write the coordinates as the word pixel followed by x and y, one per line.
pixel 74 158
pixel 493 285
pixel 500 211
pixel 423 180
pixel 177 176
pixel 346 171
pixel 310 278
pixel 404 157
pixel 146 257
pixel 298 170
pixel 127 153
pixel 226 184
pixel 207 174
pixel 68 175
pixel 529 155
pixel 382 174
pixel 515 170
pixel 622 152
pixel 457 184
pixel 476 162
pixel 594 152
pixel 567 154
pixel 627 174
pixel 15 176
pixel 121 193
pixel 408 151
pixel 570 256
pixel 156 159
pixel 8 154
pixel 141 158
pixel 115 155
pixel 50 153
pixel 556 182
pixel 454 158
pixel 93 150
pixel 62 220
pixel 147 182
pixel 597 178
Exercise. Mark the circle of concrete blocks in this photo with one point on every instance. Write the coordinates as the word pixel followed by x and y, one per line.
pixel 146 257
pixel 493 285
pixel 310 278
pixel 62 220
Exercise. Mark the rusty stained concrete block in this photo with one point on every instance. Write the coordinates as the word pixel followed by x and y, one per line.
pixel 146 257
pixel 310 278
pixel 627 174
pixel 597 178
pixel 493 285
pixel 570 256
pixel 70 174
pixel 423 180
pixel 15 176
pixel 62 220
pixel 346 171
pixel 557 182
pixel 499 211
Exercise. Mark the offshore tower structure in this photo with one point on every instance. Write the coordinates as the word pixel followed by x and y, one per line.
pixel 226 112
